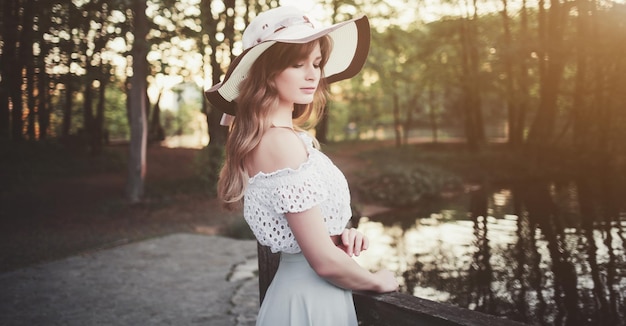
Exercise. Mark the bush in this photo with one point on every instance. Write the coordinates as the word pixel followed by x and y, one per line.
pixel 398 187
pixel 207 165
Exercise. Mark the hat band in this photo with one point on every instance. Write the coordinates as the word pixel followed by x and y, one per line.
pixel 280 26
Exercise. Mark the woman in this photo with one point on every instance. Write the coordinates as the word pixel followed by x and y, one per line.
pixel 294 198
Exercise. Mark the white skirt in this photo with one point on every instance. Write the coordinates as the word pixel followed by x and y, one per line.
pixel 297 296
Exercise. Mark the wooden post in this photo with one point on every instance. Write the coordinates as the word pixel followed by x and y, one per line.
pixel 268 264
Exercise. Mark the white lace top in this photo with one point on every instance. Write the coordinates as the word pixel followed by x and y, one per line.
pixel 269 196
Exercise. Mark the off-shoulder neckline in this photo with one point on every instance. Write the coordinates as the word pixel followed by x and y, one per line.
pixel 306 139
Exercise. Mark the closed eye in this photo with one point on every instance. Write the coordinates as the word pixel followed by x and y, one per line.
pixel 300 65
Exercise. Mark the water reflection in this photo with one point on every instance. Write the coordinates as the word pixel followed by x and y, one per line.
pixel 540 253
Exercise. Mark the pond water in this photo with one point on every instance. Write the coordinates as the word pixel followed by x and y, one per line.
pixel 542 253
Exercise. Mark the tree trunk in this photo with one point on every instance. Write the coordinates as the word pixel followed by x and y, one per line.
pixel 616 102
pixel 31 128
pixel 43 110
pixel 476 107
pixel 510 92
pixel 579 106
pixel 137 104
pixel 607 73
pixel 217 133
pixel 408 123
pixel 474 129
pixel 321 129
pixel 26 59
pixel 128 95
pixel 551 27
pixel 147 105
pixel 4 94
pixel 67 108
pixel 524 80
pixel 397 126
pixel 4 107
pixel 229 25
pixel 11 72
pixel 602 121
pixel 87 130
pixel 17 122
pixel 432 115
pixel 98 122
pixel 156 129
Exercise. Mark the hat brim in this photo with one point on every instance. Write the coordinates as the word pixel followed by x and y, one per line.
pixel 351 42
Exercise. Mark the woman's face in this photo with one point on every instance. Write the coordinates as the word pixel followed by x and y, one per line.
pixel 297 83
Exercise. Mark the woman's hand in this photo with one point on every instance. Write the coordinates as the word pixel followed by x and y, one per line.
pixel 336 266
pixel 352 242
pixel 386 281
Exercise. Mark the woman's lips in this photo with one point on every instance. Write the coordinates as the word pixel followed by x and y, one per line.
pixel 308 90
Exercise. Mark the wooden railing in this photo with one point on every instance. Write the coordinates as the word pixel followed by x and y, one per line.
pixel 392 309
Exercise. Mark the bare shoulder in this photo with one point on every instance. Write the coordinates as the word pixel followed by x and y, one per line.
pixel 279 148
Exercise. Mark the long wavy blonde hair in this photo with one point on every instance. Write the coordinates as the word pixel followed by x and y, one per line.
pixel 258 97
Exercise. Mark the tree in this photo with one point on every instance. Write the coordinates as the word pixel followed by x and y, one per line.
pixel 436 54
pixel 579 105
pixel 470 80
pixel 553 71
pixel 340 10
pixel 44 103
pixel 11 90
pixel 155 130
pixel 67 14
pixel 217 133
pixel 137 104
pixel 392 59
pixel 26 62
pixel 551 67
pixel 511 93
pixel 517 122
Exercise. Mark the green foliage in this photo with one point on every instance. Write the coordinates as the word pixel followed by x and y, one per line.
pixel 115 115
pixel 207 165
pixel 179 122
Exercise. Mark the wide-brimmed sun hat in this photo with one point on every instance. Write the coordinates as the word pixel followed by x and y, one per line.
pixel 351 40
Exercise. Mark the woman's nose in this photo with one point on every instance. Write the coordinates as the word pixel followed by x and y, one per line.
pixel 311 72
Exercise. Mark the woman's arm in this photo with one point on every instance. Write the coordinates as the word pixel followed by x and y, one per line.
pixel 280 148
pixel 330 261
